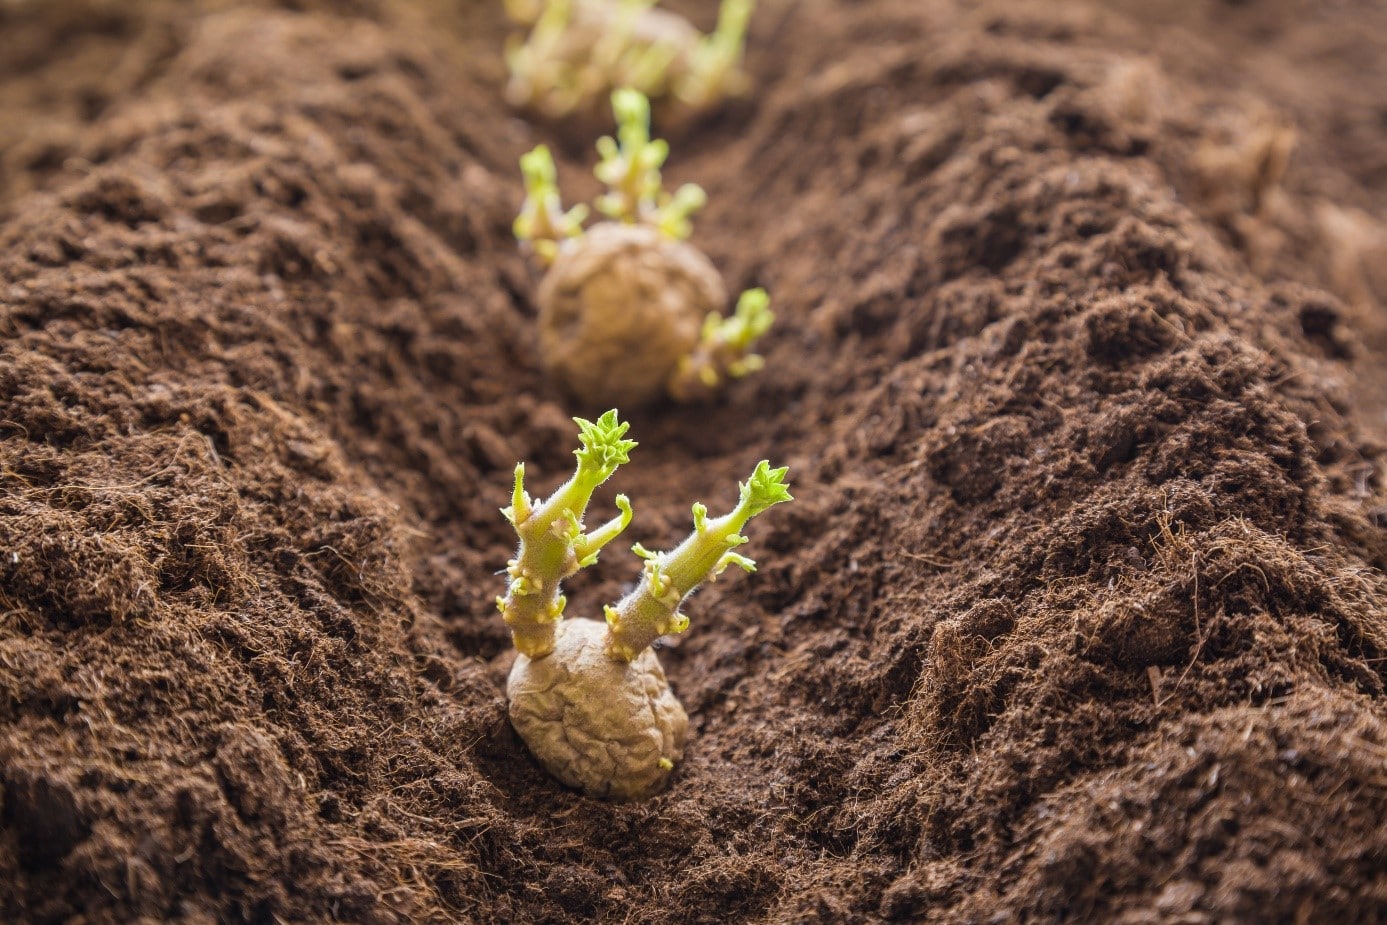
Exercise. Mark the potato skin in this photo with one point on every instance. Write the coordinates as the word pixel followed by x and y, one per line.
pixel 618 310
pixel 609 728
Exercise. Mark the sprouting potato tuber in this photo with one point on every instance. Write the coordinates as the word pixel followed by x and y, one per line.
pixel 590 699
pixel 578 50
pixel 619 309
pixel 629 312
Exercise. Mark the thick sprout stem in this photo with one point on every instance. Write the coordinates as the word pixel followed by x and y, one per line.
pixel 652 609
pixel 542 220
pixel 552 543
pixel 715 63
pixel 631 162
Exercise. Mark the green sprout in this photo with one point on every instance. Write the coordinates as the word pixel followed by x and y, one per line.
pixel 630 164
pixel 652 609
pixel 621 59
pixel 672 216
pixel 538 66
pixel 593 704
pixel 645 65
pixel 724 347
pixel 553 545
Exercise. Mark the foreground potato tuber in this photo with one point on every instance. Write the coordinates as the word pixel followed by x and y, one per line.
pixel 591 700
pixel 629 312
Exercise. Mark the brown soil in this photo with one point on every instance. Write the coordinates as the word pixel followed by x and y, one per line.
pixel 1080 613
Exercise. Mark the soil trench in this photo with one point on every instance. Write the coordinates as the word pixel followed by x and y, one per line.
pixel 1080 369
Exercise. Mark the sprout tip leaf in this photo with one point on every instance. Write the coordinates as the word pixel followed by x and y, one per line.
pixel 765 488
pixel 603 448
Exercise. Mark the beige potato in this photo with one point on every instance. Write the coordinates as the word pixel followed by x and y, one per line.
pixel 612 728
pixel 618 310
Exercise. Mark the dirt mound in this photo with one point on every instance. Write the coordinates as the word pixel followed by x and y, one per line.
pixel 1080 610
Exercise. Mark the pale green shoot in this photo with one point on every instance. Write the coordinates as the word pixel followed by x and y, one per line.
pixel 630 166
pixel 525 12
pixel 735 336
pixel 631 162
pixel 539 70
pixel 542 220
pixel 615 44
pixel 646 67
pixel 578 50
pixel 672 217
pixel 624 58
pixel 553 544
pixel 715 63
pixel 725 346
pixel 652 609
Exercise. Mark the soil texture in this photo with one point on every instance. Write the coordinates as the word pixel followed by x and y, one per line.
pixel 1080 613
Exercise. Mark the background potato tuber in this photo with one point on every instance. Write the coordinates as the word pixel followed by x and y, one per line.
pixel 619 309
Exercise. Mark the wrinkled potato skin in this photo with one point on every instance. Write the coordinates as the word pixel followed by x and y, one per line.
pixel 619 308
pixel 594 723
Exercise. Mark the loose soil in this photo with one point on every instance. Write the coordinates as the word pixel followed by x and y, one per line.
pixel 1080 613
